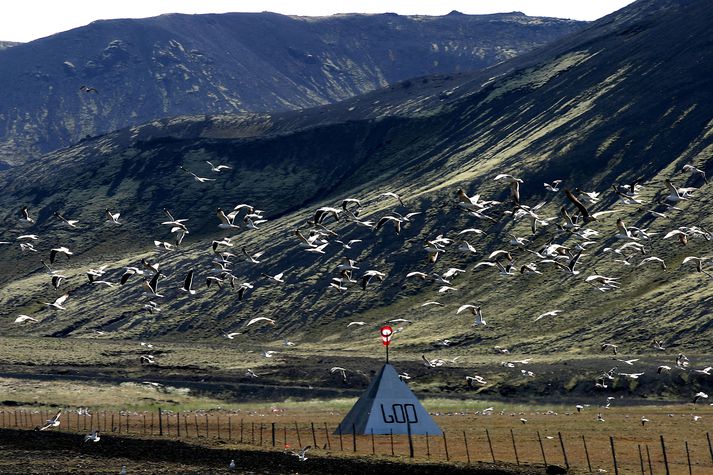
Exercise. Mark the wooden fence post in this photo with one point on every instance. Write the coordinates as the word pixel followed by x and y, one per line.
pixel 168 424
pixel 373 444
pixel 341 445
pixel 230 428
pixel 613 455
pixel 314 436
pixel 710 447
pixel 207 426
pixel 428 448
pixel 299 439
pixel 391 436
pixel 144 425
pixel 648 458
pixel 514 447
pixel 665 457
pixel 542 448
pixel 467 451
pixel 112 422
pixel 284 435
pixel 564 452
pixel 178 425
pixel 195 423
pixel 261 424
pixel 252 433
pixel 326 434
pixel 688 456
pixel 641 461
pixel 273 434
pixel 490 444
pixel 241 430
pixel 354 437
pixel 410 440
pixel 160 423
pixel 217 425
pixel 185 425
pixel 445 445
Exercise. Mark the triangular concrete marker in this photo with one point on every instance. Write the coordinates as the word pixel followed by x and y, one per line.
pixel 388 405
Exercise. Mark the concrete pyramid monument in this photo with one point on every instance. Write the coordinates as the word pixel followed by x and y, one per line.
pixel 388 405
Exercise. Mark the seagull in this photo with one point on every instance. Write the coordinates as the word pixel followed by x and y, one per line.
pixel 582 209
pixel 231 336
pixel 653 259
pixel 277 278
pixel 707 370
pixel 644 420
pixel 699 263
pixel 631 375
pixel 25 318
pixel 196 177
pixel 59 250
pixel 301 455
pixel 93 436
pixel 269 353
pixel 261 319
pixel 389 219
pixel 475 310
pixel 112 218
pixel 610 346
pixel 390 194
pixel 226 221
pixel 53 422
pixel 342 371
pixel 219 168
pixel 321 214
pixel 547 314
pixel 129 271
pixel 663 369
pixel 252 258
pixel 88 89
pixel 470 380
pixel 57 304
pixel 433 302
pixel 24 212
pixel 57 280
pixel 369 275
pixel 72 223
pixel 694 170
pixel 187 283
pixel 675 194
pixel 151 286
pixel 349 244
pixel 699 396
pixel 231 465
pixel 359 324
pixel 554 186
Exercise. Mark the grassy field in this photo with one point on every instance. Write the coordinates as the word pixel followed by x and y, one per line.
pixel 314 422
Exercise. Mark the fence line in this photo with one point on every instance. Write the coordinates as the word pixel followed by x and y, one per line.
pixel 650 452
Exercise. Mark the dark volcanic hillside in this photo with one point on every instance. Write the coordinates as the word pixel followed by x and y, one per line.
pixel 233 63
pixel 629 98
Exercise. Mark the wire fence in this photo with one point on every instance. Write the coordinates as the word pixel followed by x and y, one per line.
pixel 646 452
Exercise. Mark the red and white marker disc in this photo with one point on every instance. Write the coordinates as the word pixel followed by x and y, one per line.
pixel 386 333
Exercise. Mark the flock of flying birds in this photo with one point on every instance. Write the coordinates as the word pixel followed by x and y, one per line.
pixel 326 224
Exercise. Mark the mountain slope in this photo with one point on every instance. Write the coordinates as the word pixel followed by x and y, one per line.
pixel 231 63
pixel 627 99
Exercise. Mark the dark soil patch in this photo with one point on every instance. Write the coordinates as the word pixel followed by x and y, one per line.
pixel 58 452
